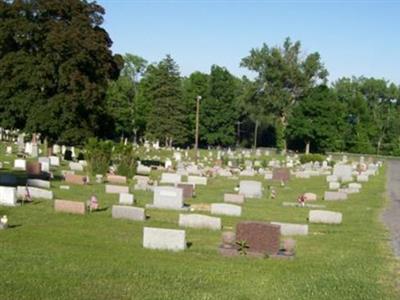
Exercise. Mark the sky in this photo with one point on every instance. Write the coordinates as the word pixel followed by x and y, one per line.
pixel 354 38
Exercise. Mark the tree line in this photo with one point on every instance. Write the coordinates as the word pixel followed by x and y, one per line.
pixel 59 77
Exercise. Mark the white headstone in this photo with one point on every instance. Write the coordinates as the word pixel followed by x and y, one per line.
pixel 226 209
pixel 8 196
pixel 199 221
pixel 164 239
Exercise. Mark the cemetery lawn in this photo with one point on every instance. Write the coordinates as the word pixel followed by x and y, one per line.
pixel 48 255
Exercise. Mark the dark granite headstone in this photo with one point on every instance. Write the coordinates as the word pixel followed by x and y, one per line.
pixel 187 190
pixel 281 174
pixel 261 238
pixel 33 168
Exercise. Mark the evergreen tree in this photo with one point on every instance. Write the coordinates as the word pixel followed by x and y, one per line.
pixel 167 115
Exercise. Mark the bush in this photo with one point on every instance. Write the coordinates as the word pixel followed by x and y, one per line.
pixel 125 159
pixel 305 158
pixel 98 156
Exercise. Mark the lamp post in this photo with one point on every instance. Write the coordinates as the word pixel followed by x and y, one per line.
pixel 196 138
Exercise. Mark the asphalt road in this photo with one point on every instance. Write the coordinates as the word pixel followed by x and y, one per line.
pixel 391 216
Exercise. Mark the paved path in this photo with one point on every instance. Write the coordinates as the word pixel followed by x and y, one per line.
pixel 391 216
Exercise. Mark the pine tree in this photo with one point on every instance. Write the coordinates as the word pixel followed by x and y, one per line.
pixel 167 115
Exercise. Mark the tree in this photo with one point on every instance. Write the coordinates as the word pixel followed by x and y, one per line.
pixel 163 91
pixel 218 109
pixel 55 62
pixel 313 124
pixel 195 85
pixel 283 77
pixel 122 97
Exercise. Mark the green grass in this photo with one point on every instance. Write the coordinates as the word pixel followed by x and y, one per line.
pixel 50 255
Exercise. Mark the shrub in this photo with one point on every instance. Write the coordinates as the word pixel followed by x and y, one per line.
pixel 305 158
pixel 98 156
pixel 125 159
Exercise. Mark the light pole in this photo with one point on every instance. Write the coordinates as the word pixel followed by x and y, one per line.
pixel 196 138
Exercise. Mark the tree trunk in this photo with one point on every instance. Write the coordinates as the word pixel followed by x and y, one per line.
pixel 378 148
pixel 255 135
pixel 308 147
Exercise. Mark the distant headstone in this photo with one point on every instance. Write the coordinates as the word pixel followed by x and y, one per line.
pixel 334 185
pixel 164 239
pixel 281 174
pixel 197 180
pixel 335 196
pixel 199 221
pixel 292 229
pixel 34 192
pixel 75 179
pixel 250 188
pixel 45 184
pixel 343 172
pixel 20 164
pixel 226 209
pixel 116 179
pixel 325 216
pixel 54 161
pixel 128 212
pixel 33 168
pixel 67 206
pixel 331 178
pixel 75 166
pixel 126 199
pixel 166 197
pixel 116 189
pixel 187 188
pixel 234 198
pixel 310 197
pixel 8 196
pixel 170 178
pixel 362 178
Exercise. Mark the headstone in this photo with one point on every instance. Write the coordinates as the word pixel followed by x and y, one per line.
pixel 292 229
pixel 234 198
pixel 33 168
pixel 250 189
pixel 75 166
pixel 362 178
pixel 199 221
pixel 34 192
pixel 197 180
pixel 343 172
pixel 143 170
pixel 116 189
pixel 226 209
pixel 67 206
pixel 334 185
pixel 166 197
pixel 331 178
pixel 325 216
pixel 116 179
pixel 8 196
pixel 335 196
pixel 281 174
pixel 75 179
pixel 126 199
pixel 310 197
pixel 54 161
pixel 45 184
pixel 170 178
pixel 261 238
pixel 188 190
pixel 128 212
pixel 20 164
pixel 355 185
pixel 164 239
